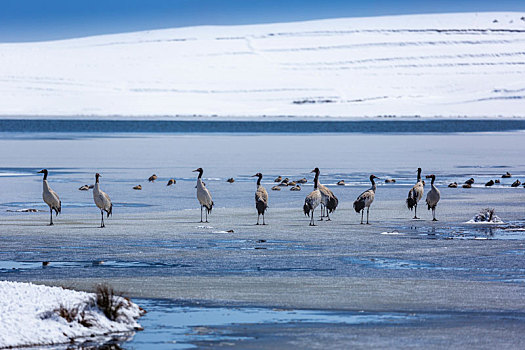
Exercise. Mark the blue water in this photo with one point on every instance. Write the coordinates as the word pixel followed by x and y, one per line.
pixel 298 126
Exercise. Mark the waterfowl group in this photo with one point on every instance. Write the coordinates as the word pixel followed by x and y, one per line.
pixel 320 196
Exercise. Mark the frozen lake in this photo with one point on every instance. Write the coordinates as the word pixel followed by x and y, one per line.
pixel 154 246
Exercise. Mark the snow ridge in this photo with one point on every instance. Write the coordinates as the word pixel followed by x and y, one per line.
pixel 444 65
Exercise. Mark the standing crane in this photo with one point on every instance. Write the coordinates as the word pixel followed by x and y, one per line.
pixel 261 198
pixel 102 200
pixel 365 199
pixel 313 199
pixel 329 201
pixel 203 195
pixel 415 194
pixel 433 196
pixel 50 197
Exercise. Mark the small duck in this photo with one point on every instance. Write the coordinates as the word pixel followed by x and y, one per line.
pixel 490 183
pixel 152 178
pixel 302 181
pixel 341 183
pixel 497 181
pixel 138 187
pixel 295 188
pixel 506 175
pixel 467 185
pixel 278 179
pixel 390 181
pixel 231 180
pixel 83 188
pixel 171 182
pixel 470 181
pixel 292 183
pixel 516 183
pixel 276 188
pixel 453 185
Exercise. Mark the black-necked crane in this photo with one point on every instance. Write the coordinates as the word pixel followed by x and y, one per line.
pixel 433 196
pixel 102 200
pixel 329 201
pixel 203 195
pixel 313 199
pixel 50 197
pixel 365 199
pixel 261 198
pixel 415 194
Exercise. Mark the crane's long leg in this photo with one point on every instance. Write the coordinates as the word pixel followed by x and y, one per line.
pixel 51 216
pixel 367 212
pixel 362 214
pixel 263 219
pixel 102 222
pixel 327 215
pixel 201 213
pixel 258 218
pixel 206 214
pixel 321 219
pixel 434 214
pixel 415 212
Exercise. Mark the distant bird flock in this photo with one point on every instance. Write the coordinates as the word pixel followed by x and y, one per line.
pixel 320 196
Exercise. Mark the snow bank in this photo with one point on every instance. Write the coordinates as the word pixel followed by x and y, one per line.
pixel 29 315
pixel 445 65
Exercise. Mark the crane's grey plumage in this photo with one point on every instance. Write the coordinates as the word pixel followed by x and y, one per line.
pixel 102 200
pixel 433 196
pixel 329 201
pixel 365 199
pixel 261 198
pixel 50 197
pixel 415 194
pixel 313 199
pixel 203 195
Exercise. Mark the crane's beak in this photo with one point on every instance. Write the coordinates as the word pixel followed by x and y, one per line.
pixel 40 172
pixel 255 175
pixel 193 171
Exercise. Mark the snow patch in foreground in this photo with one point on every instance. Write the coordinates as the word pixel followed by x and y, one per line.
pixel 30 315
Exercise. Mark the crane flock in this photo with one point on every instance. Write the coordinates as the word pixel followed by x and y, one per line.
pixel 320 195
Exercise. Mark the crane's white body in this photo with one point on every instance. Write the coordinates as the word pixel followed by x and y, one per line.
pixel 313 200
pixel 203 194
pixel 261 202
pixel 365 199
pixel 326 196
pixel 433 197
pixel 102 201
pixel 204 197
pixel 51 198
pixel 415 194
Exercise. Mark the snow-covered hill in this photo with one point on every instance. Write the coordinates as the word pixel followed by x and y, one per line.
pixel 429 65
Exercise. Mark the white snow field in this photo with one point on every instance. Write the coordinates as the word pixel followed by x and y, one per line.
pixel 29 316
pixel 440 65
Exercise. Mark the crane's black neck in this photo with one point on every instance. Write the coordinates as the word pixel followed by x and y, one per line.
pixel 433 179
pixel 96 178
pixel 259 180
pixel 200 174
pixel 45 174
pixel 372 181
pixel 316 180
pixel 418 174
